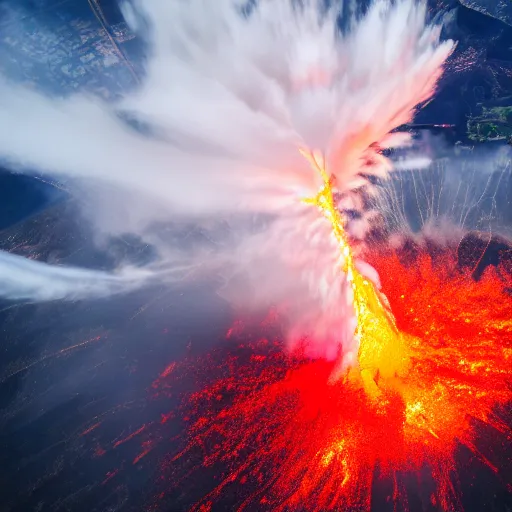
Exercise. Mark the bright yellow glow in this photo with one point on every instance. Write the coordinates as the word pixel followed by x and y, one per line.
pixel 382 354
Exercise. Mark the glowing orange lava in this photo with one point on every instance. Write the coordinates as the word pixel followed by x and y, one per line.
pixel 277 436
pixel 383 354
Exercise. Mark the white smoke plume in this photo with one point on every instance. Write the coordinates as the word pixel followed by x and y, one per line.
pixel 33 280
pixel 232 95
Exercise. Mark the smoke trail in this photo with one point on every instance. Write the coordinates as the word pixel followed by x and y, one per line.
pixel 232 97
pixel 22 279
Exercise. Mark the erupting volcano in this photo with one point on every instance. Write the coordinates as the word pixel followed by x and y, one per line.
pixel 287 433
pixel 281 115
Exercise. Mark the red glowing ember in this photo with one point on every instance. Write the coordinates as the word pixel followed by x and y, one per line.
pixel 273 434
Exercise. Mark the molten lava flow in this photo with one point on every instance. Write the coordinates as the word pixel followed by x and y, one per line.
pixel 272 434
pixel 382 353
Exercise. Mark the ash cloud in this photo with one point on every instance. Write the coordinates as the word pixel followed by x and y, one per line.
pixel 230 97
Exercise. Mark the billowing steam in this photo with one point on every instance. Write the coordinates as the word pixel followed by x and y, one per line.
pixel 231 96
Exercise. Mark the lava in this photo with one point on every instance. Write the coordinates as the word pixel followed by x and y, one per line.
pixel 273 433
pixel 382 353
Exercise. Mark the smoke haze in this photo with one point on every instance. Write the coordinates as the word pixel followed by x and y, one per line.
pixel 231 98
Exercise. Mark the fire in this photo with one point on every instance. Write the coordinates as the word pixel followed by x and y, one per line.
pixel 279 436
